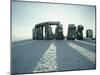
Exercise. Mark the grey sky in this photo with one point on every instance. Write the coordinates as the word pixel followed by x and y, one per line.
pixel 26 14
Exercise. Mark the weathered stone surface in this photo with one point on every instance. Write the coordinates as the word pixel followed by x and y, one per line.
pixel 71 32
pixel 89 33
pixel 80 32
pixel 59 32
pixel 48 32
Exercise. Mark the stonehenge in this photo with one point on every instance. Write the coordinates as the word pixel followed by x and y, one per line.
pixel 43 31
pixel 38 31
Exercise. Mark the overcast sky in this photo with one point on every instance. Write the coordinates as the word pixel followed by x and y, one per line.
pixel 26 14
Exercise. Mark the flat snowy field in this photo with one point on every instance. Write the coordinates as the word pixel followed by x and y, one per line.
pixel 31 56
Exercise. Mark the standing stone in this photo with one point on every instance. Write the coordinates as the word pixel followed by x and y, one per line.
pixel 79 32
pixel 34 34
pixel 59 32
pixel 71 32
pixel 40 33
pixel 36 31
pixel 48 32
pixel 89 33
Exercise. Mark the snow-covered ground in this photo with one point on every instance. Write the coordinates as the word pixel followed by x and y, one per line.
pixel 30 56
